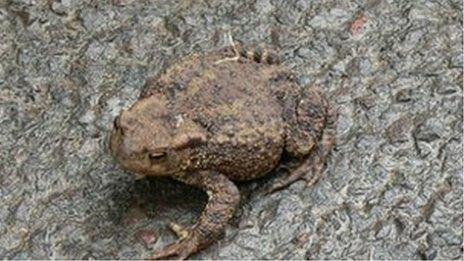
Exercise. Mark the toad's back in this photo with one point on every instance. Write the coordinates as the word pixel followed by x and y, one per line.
pixel 236 106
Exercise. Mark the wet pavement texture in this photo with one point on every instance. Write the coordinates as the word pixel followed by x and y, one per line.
pixel 393 187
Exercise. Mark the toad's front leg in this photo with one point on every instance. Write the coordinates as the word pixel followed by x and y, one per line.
pixel 223 198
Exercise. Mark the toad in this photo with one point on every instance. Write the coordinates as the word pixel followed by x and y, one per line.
pixel 211 119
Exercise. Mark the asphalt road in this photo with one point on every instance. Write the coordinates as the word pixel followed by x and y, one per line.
pixel 393 187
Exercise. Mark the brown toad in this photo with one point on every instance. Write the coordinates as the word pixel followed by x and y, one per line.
pixel 214 118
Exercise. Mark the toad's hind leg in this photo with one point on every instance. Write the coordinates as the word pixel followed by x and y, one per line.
pixel 259 54
pixel 223 198
pixel 311 141
pixel 320 155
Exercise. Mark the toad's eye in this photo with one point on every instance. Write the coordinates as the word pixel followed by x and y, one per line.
pixel 156 156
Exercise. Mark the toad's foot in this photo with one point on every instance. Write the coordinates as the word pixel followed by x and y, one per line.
pixel 234 48
pixel 223 199
pixel 189 243
pixel 303 172
pixel 181 231
pixel 260 54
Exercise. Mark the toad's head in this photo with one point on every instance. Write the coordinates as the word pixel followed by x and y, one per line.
pixel 148 139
